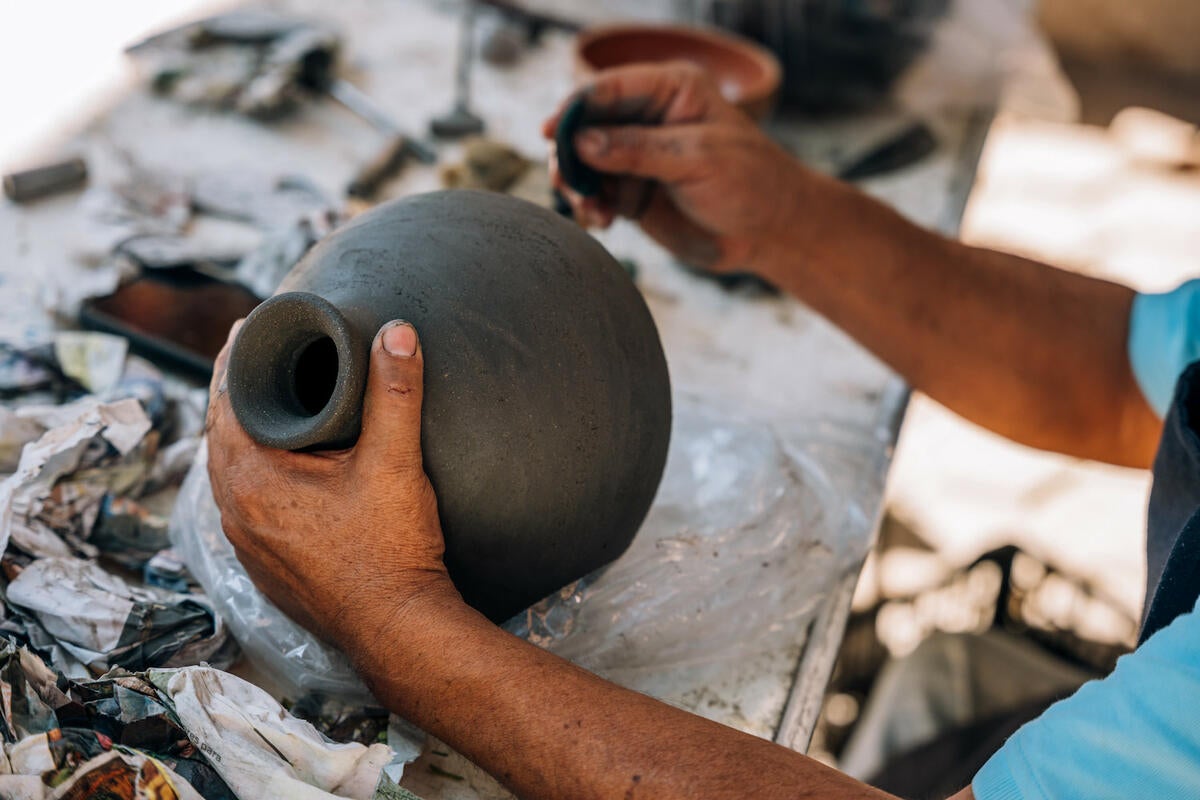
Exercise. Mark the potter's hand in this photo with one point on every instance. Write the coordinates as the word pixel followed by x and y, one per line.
pixel 341 541
pixel 696 172
pixel 349 543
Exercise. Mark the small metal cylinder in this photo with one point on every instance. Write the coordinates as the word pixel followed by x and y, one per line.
pixel 30 184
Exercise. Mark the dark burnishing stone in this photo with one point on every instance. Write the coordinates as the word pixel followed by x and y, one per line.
pixel 578 175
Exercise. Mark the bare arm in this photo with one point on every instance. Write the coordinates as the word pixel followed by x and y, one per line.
pixel 1032 352
pixel 349 544
pixel 594 739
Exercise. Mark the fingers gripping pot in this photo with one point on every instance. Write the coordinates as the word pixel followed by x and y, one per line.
pixel 547 407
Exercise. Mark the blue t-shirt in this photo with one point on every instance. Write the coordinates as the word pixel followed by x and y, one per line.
pixel 1135 734
pixel 1164 338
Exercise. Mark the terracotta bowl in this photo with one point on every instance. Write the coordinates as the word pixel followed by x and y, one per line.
pixel 748 75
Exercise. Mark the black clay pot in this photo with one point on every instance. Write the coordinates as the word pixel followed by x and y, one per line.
pixel 547 403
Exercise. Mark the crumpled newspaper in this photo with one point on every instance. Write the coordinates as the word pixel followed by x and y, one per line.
pixel 82 512
pixel 249 60
pixel 76 462
pixel 40 381
pixel 99 619
pixel 264 268
pixel 258 747
pixel 111 773
pixel 95 360
pixel 143 202
pixel 76 493
pixel 48 506
pixel 16 431
pixel 113 737
pixel 231 225
pixel 188 734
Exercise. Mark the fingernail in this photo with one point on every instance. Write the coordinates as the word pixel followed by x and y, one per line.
pixel 591 142
pixel 400 339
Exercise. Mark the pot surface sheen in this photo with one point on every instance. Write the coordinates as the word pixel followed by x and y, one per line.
pixel 547 408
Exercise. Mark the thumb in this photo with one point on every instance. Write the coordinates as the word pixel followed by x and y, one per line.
pixel 391 430
pixel 672 153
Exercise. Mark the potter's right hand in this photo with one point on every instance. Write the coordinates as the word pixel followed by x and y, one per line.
pixel 344 542
pixel 696 172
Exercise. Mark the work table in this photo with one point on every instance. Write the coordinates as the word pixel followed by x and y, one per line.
pixel 769 357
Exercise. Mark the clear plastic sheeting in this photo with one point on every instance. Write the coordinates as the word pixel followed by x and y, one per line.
pixel 750 530
pixel 746 538
pixel 297 659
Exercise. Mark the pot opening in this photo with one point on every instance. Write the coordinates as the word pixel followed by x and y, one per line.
pixel 315 376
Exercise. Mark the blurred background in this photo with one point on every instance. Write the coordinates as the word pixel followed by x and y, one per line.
pixel 1110 189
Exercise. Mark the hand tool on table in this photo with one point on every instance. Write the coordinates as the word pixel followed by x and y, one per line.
pixel 281 60
pixel 391 156
pixel 316 73
pixel 912 144
pixel 31 184
pixel 460 121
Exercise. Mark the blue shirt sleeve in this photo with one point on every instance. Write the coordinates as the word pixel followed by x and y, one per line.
pixel 1133 735
pixel 1164 338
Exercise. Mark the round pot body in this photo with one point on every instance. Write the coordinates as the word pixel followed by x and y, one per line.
pixel 547 411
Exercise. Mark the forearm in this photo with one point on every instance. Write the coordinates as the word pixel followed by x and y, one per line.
pixel 1034 353
pixel 548 729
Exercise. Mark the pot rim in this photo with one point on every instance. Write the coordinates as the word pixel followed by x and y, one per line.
pixel 264 389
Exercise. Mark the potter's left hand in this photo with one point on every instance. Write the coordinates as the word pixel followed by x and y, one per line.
pixel 697 174
pixel 341 541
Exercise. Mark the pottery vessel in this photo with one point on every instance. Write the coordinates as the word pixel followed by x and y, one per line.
pixel 747 74
pixel 547 408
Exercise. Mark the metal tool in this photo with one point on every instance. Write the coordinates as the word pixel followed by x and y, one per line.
pixel 460 121
pixel 317 74
pixel 391 156
pixel 30 184
pixel 355 101
pixel 295 59
pixel 909 146
pixel 382 166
